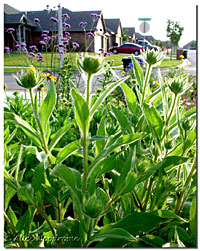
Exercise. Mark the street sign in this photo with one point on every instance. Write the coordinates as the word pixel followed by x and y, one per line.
pixel 144 27
pixel 144 19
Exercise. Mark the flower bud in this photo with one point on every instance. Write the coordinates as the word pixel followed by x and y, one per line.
pixel 93 207
pixel 178 85
pixel 90 64
pixel 28 79
pixel 153 57
pixel 186 124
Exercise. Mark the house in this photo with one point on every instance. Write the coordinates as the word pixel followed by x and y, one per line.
pixel 115 31
pixel 192 44
pixel 29 31
pixel 130 34
pixel 149 38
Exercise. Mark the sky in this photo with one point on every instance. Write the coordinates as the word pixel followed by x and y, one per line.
pixel 129 11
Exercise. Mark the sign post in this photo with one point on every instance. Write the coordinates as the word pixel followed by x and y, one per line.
pixel 144 26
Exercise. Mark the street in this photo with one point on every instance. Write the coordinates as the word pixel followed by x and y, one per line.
pixel 189 68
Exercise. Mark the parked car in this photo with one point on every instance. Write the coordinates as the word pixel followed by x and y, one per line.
pixel 146 44
pixel 127 48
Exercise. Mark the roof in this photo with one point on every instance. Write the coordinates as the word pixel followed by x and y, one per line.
pixel 10 10
pixel 112 25
pixel 139 36
pixel 17 19
pixel 74 21
pixel 131 31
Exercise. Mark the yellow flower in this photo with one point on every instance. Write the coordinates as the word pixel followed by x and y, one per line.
pixel 123 72
pixel 43 90
pixel 157 83
pixel 61 102
pixel 5 86
pixel 49 77
pixel 181 56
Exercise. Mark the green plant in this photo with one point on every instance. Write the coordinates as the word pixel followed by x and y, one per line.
pixel 99 173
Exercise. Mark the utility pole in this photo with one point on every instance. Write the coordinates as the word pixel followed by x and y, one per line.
pixel 60 36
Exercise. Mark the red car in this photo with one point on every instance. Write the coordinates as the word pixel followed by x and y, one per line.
pixel 127 48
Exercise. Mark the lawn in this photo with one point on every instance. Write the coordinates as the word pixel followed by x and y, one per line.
pixel 16 60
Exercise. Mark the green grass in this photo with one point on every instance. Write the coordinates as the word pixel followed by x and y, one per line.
pixel 15 60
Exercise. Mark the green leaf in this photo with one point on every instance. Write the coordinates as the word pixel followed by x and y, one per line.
pixel 127 179
pixel 72 179
pixel 48 105
pixel 123 121
pixel 138 73
pixel 12 216
pixel 26 193
pixel 44 227
pixel 121 141
pixel 9 193
pixel 193 217
pixel 59 135
pixel 137 223
pixel 166 164
pixel 81 111
pixel 67 151
pixel 154 122
pixel 38 180
pixel 100 132
pixel 105 94
pixel 116 233
pixel 28 129
pixel 189 141
pixel 131 99
pixel 153 241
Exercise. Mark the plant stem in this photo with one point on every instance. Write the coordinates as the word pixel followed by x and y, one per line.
pixel 147 76
pixel 51 227
pixel 13 229
pixel 39 125
pixel 84 163
pixel 89 232
pixel 88 89
pixel 179 206
pixel 148 193
pixel 172 109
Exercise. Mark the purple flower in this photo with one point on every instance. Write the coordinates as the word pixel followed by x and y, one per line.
pixel 32 54
pixel 44 35
pixel 75 44
pixel 83 24
pixel 102 49
pixel 90 34
pixel 17 46
pixel 67 25
pixel 60 45
pixel 67 33
pixel 47 6
pixel 7 49
pixel 45 31
pixel 22 44
pixel 40 59
pixel 95 16
pixel 63 39
pixel 65 42
pixel 61 52
pixel 42 42
pixel 54 19
pixel 59 5
pixel 36 20
pixel 53 37
pixel 39 54
pixel 66 16
pixel 25 50
pixel 10 30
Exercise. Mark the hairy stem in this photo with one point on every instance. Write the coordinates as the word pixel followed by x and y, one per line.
pixel 88 89
pixel 179 206
pixel 85 164
pixel 147 76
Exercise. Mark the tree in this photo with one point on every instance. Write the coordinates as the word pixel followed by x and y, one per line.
pixel 174 32
pixel 125 36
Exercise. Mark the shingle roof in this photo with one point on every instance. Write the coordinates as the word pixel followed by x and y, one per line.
pixel 131 31
pixel 10 10
pixel 17 19
pixel 76 18
pixel 112 24
pixel 139 36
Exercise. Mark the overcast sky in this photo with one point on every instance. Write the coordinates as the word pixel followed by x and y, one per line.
pixel 129 11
